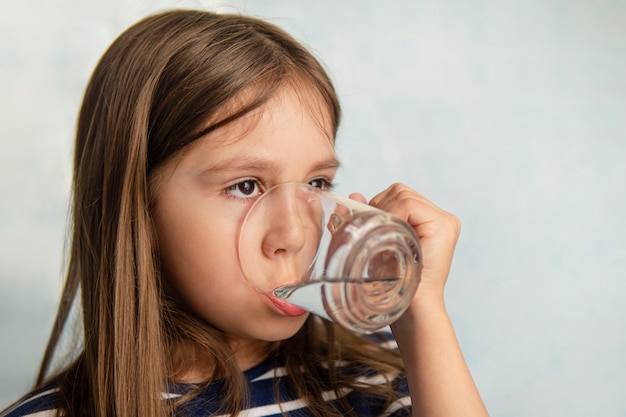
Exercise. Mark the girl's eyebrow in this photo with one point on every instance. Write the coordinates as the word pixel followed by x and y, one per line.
pixel 330 163
pixel 260 164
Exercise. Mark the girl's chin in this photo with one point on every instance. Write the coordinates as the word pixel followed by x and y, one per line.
pixel 286 328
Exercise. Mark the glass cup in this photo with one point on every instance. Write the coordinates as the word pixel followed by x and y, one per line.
pixel 337 258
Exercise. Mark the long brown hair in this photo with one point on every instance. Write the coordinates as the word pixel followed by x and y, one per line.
pixel 150 95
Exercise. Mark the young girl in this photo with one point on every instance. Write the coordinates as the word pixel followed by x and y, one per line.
pixel 188 118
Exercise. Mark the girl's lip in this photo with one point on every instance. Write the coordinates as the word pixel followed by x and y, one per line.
pixel 286 308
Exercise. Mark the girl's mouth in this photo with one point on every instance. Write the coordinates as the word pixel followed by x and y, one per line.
pixel 286 308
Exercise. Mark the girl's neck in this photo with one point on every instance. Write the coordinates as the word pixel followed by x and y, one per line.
pixel 247 354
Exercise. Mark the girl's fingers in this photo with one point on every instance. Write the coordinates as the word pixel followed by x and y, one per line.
pixel 358 197
pixel 437 230
pixel 411 206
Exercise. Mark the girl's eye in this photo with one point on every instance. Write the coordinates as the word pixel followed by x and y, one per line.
pixel 244 189
pixel 321 183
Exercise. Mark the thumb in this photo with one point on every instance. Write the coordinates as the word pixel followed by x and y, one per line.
pixel 358 197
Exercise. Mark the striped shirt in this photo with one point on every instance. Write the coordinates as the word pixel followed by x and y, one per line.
pixel 263 380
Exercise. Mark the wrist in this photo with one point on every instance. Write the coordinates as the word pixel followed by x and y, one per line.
pixel 427 306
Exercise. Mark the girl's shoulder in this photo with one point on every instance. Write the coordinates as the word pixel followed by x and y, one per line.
pixel 39 403
pixel 262 379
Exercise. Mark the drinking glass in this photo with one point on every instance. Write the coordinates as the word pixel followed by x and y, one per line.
pixel 335 257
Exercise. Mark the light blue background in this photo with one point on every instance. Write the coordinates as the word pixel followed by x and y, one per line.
pixel 511 114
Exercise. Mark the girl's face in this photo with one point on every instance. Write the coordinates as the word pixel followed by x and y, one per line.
pixel 203 195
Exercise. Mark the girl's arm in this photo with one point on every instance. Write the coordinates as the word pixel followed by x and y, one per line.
pixel 439 379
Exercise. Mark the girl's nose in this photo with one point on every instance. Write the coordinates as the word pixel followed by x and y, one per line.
pixel 287 225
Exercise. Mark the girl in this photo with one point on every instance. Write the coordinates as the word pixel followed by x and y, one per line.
pixel 187 119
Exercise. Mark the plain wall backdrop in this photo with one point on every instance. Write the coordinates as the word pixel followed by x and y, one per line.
pixel 510 114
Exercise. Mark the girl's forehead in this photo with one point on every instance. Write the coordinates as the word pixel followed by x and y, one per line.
pixel 285 103
pixel 288 123
pixel 262 130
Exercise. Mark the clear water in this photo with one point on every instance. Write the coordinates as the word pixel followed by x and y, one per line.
pixel 309 296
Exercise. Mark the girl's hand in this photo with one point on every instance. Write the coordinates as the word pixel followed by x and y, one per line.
pixel 439 380
pixel 437 230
